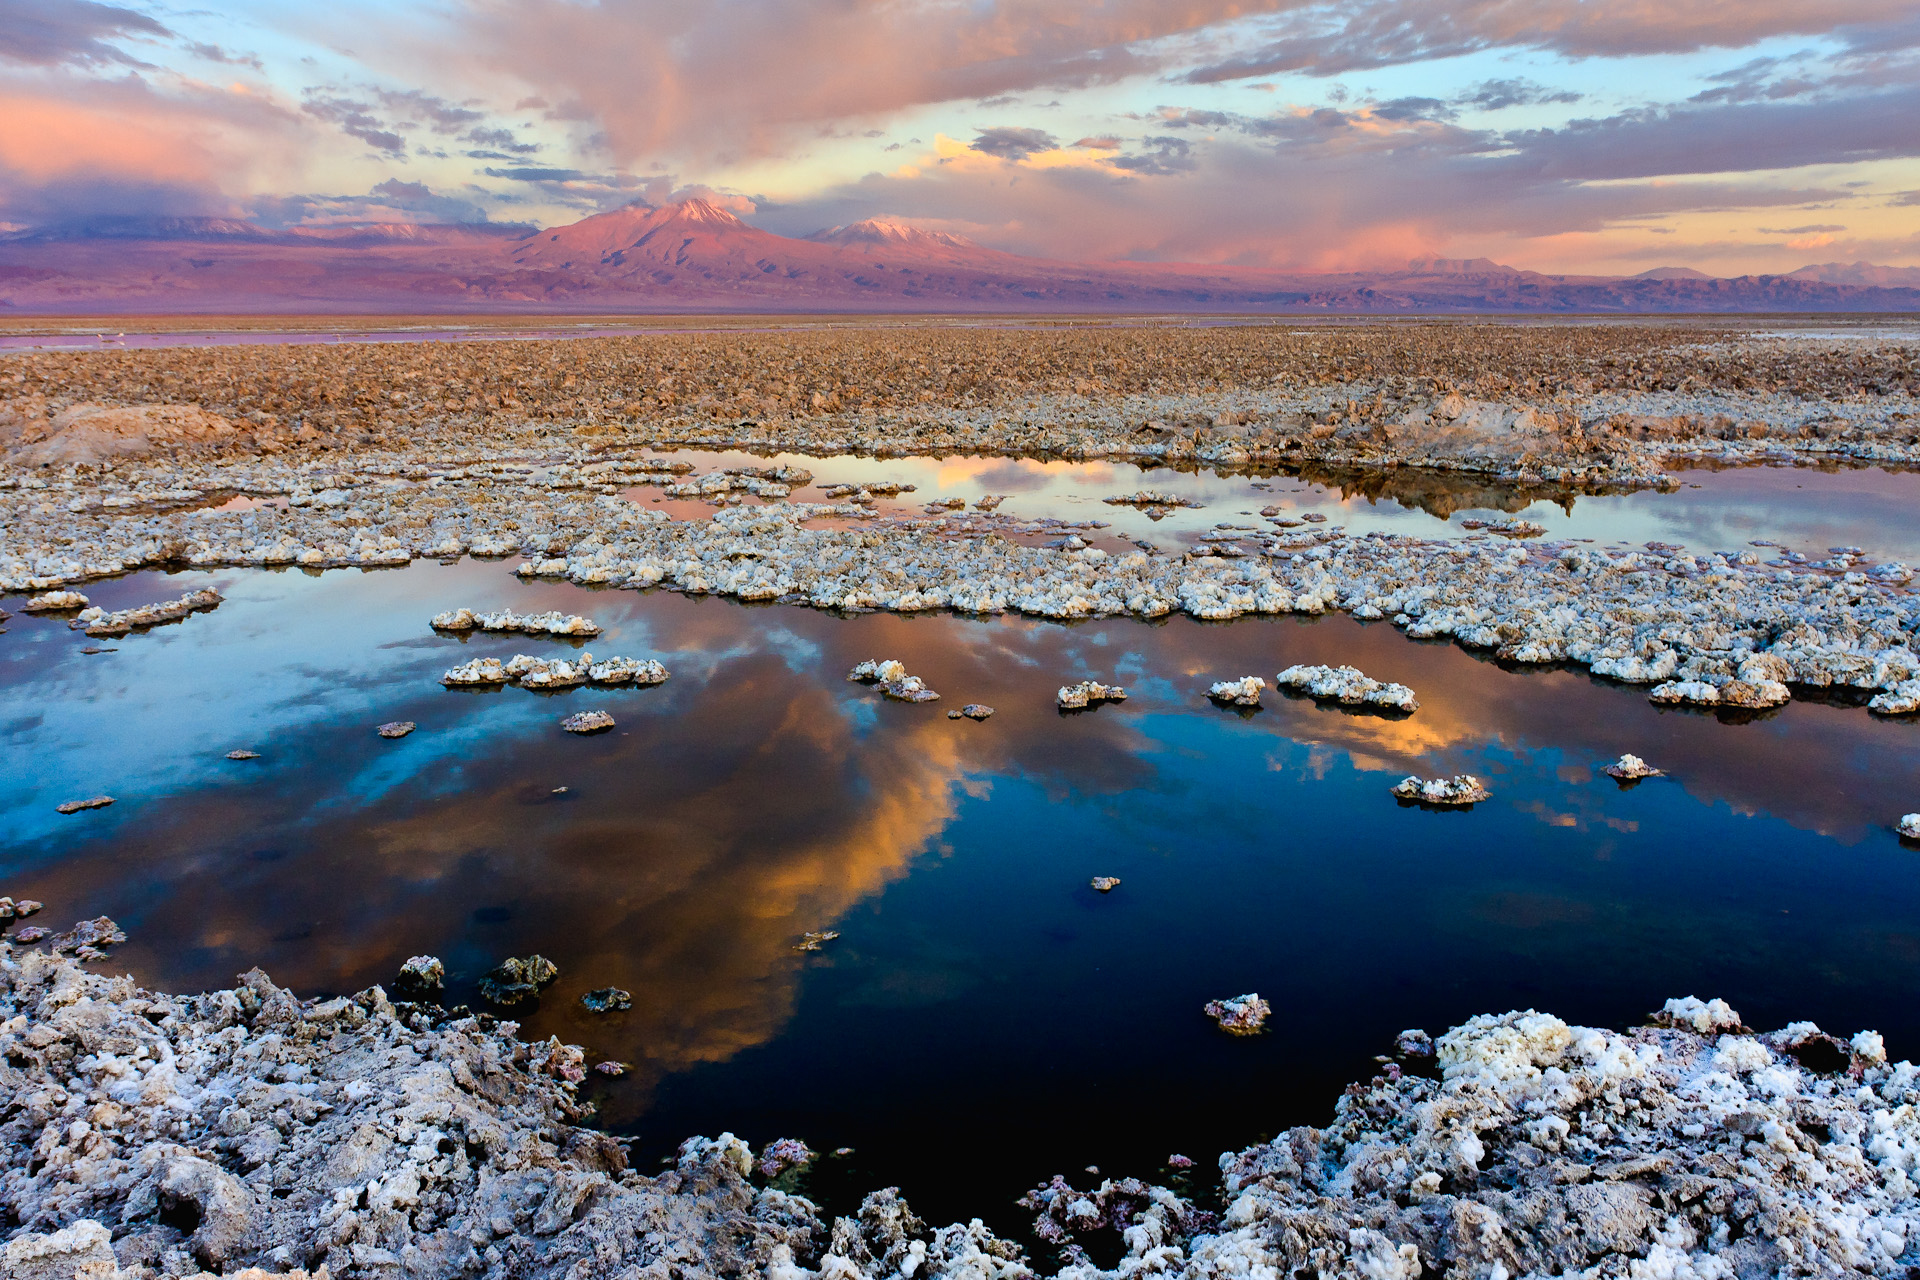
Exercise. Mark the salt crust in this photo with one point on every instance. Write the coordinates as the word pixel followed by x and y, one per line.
pixel 1075 697
pixel 587 722
pixel 1636 616
pixel 554 673
pixel 1460 790
pixel 1910 826
pixel 893 680
pixel 1239 1015
pixel 1631 768
pixel 98 622
pixel 52 601
pixel 552 623
pixel 1244 692
pixel 1347 685
pixel 249 1127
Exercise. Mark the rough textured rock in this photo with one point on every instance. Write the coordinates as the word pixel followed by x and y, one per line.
pixel 93 433
pixel 249 1127
pixel 1631 768
pixel 1078 697
pixel 1347 685
pixel 1244 692
pixel 1458 791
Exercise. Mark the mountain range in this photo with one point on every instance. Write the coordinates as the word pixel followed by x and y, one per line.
pixel 696 256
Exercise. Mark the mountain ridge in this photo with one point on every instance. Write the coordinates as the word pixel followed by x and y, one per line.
pixel 696 255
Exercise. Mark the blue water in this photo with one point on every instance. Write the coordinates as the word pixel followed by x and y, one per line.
pixel 985 1019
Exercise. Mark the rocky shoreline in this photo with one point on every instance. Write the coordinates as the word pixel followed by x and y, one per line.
pixel 153 1135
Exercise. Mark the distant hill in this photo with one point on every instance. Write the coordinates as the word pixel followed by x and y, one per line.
pixel 697 256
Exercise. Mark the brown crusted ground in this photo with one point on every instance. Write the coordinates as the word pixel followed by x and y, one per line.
pixel 390 386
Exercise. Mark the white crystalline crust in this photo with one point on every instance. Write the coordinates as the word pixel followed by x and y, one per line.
pixel 552 623
pixel 1744 630
pixel 1461 789
pixel 1629 767
pixel 554 673
pixel 1348 685
pixel 893 680
pixel 1073 697
pixel 252 1128
pixel 1910 826
pixel 1244 692
pixel 98 622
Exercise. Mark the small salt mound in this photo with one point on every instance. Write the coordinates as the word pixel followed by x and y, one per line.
pixel 1459 790
pixel 893 680
pixel 1244 692
pixel 1349 686
pixel 1241 1015
pixel 1630 768
pixel 1074 697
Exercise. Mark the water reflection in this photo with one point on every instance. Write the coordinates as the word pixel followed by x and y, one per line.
pixel 981 994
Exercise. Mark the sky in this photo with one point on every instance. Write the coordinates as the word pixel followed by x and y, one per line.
pixel 1605 136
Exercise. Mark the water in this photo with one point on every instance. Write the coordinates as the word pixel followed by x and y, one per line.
pixel 1801 508
pixel 985 1019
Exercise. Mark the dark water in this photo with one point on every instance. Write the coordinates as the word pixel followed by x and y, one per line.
pixel 985 1019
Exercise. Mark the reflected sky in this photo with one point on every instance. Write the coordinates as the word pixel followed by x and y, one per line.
pixel 1803 508
pixel 985 1019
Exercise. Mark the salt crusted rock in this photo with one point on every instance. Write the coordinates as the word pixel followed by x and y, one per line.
pixel 1347 685
pixel 478 671
pixel 1903 699
pixel 58 1255
pixel 249 1127
pixel 90 433
pixel 815 941
pixel 420 978
pixel 396 728
pixel 1105 884
pixel 1244 692
pixel 1241 1015
pixel 1074 697
pixel 1910 826
pixel 976 711
pixel 514 979
pixel 552 623
pixel 98 622
pixel 50 601
pixel 1631 768
pixel 1722 692
pixel 11 910
pixel 75 806
pixel 607 1000
pixel 1149 498
pixel 782 1154
pixel 243 753
pixel 1458 791
pixel 587 722
pixel 893 680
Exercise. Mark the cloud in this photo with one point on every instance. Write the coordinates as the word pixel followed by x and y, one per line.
pixel 1328 39
pixel 215 53
pixel 1817 229
pixel 54 32
pixel 1013 144
pixel 356 120
pixel 388 201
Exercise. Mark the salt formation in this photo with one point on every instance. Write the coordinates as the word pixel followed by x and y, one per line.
pixel 587 722
pixel 555 673
pixel 396 728
pixel 249 1127
pixel 75 806
pixel 514 980
pixel 1105 884
pixel 1721 692
pixel 1902 699
pixel 1910 826
pixel 11 910
pixel 607 1000
pixel 1460 790
pixel 552 623
pixel 782 1154
pixel 420 978
pixel 1240 1016
pixel 893 680
pixel 972 711
pixel 50 601
pixel 1074 697
pixel 1244 692
pixel 1347 685
pixel 816 940
pixel 1631 768
pixel 478 671
pixel 98 622
pixel 243 753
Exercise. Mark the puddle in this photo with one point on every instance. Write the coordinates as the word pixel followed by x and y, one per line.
pixel 985 1018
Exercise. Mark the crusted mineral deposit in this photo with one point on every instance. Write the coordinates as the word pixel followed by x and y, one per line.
pixel 1240 1015
pixel 1458 791
pixel 1105 884
pixel 93 802
pixel 1244 692
pixel 892 678
pixel 587 722
pixel 396 728
pixel 1347 685
pixel 1076 697
pixel 1631 768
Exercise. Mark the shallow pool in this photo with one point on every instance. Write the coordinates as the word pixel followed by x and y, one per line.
pixel 985 1018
